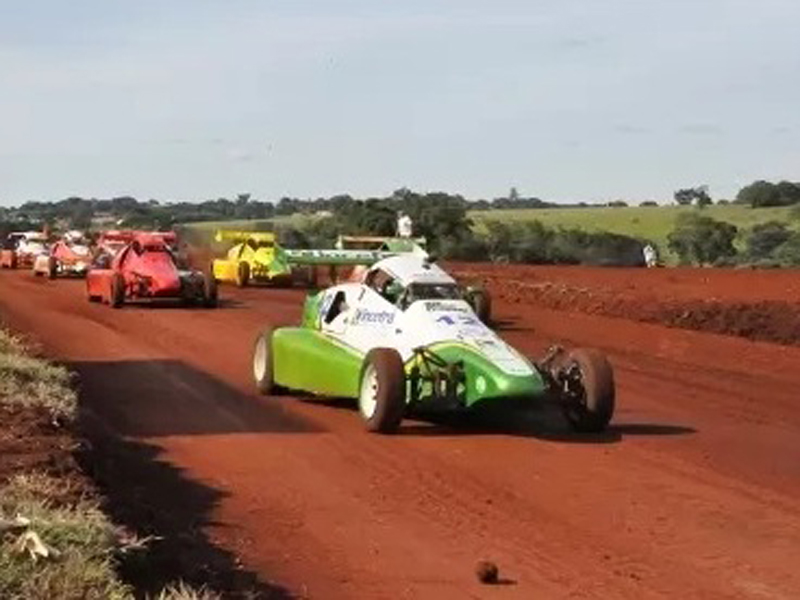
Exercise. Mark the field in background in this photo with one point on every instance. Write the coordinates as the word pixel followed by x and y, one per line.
pixel 652 223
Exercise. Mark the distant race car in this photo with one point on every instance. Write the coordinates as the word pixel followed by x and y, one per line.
pixel 147 269
pixel 404 338
pixel 257 257
pixel 21 249
pixel 254 257
pixel 71 255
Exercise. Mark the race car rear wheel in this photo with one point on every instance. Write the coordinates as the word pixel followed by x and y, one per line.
pixel 382 392
pixel 586 386
pixel 263 366
pixel 481 302
pixel 117 291
pixel 210 291
pixel 243 274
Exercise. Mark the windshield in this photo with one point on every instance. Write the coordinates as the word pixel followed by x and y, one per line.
pixel 434 291
pixel 429 291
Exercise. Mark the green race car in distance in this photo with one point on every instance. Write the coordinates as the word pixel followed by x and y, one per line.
pixel 405 338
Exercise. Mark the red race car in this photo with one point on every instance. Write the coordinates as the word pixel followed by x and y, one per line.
pixel 21 249
pixel 147 269
pixel 70 255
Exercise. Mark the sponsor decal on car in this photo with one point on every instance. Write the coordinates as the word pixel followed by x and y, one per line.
pixel 373 317
pixel 458 319
pixel 439 306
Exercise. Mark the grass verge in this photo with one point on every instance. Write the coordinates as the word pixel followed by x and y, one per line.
pixel 55 540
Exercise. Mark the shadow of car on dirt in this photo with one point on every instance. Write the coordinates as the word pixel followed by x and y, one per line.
pixel 173 304
pixel 150 398
pixel 155 500
pixel 544 422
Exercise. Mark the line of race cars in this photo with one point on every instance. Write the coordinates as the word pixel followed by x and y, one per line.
pixel 398 335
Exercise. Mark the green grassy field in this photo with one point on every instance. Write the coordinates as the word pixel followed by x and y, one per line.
pixel 651 223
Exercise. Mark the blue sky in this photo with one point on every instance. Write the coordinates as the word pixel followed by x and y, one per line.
pixel 564 99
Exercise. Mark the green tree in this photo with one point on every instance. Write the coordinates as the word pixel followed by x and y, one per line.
pixel 764 238
pixel 763 193
pixel 698 196
pixel 699 239
pixel 788 253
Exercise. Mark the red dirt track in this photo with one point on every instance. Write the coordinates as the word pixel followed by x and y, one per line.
pixel 691 494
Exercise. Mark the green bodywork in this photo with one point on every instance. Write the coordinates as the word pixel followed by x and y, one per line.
pixel 305 358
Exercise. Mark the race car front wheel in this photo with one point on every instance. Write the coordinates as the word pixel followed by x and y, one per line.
pixel 382 393
pixel 586 386
pixel 263 365
pixel 481 302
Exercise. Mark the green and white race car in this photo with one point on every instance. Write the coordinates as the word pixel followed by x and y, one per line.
pixel 405 338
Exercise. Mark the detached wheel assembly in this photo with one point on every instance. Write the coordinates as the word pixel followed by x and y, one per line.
pixel 584 382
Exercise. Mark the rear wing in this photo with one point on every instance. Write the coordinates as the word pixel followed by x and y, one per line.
pixel 116 236
pixel 168 238
pixel 227 235
pixel 384 243
pixel 127 236
pixel 337 257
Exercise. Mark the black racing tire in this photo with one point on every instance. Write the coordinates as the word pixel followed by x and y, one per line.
pixel 481 302
pixel 382 390
pixel 587 390
pixel 52 268
pixel 210 291
pixel 117 298
pixel 243 274
pixel 263 365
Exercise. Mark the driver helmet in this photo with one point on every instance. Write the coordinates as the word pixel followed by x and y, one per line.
pixel 392 290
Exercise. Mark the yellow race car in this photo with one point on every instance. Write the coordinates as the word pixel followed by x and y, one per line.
pixel 257 257
pixel 254 257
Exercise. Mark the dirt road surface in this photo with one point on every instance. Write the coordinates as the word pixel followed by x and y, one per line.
pixel 691 494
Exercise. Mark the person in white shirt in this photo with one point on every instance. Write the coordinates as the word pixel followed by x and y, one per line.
pixel 405 226
pixel 650 256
